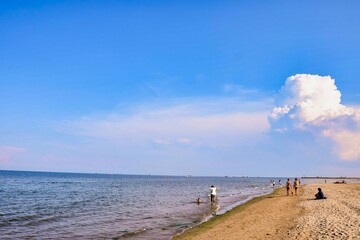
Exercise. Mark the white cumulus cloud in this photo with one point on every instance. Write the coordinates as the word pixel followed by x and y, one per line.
pixel 313 103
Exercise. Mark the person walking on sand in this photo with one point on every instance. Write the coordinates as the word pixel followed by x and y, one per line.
pixel 212 193
pixel 288 186
pixel 296 185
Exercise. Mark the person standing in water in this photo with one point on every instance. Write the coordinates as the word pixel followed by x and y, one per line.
pixel 212 193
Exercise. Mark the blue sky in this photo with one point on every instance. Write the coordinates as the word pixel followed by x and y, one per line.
pixel 178 87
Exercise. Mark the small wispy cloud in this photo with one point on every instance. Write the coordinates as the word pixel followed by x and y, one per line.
pixel 184 140
pixel 239 89
pixel 159 83
pixel 313 103
pixel 192 122
pixel 7 152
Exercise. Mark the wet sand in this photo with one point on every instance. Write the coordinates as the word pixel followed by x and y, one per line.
pixel 277 216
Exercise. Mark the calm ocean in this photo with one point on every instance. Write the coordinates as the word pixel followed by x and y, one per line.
pixel 39 205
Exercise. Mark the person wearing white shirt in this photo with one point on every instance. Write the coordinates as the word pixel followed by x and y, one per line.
pixel 213 193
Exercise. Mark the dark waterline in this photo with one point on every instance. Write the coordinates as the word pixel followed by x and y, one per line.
pixel 106 206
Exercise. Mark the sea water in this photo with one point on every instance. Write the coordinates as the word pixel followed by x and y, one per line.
pixel 43 205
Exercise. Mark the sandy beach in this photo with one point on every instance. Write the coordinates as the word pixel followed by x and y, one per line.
pixel 277 216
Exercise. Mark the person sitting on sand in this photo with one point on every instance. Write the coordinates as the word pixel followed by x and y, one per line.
pixel 288 186
pixel 198 200
pixel 296 185
pixel 320 194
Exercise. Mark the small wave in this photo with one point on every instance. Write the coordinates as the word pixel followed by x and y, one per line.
pixel 5 223
pixel 234 194
pixel 80 203
pixel 181 224
pixel 131 234
pixel 22 218
pixel 63 182
pixel 43 220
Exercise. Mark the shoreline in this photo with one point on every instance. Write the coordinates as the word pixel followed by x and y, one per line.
pixel 340 178
pixel 277 216
pixel 192 232
pixel 225 211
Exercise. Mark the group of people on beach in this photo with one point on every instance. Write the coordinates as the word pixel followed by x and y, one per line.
pixel 293 189
pixel 290 188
